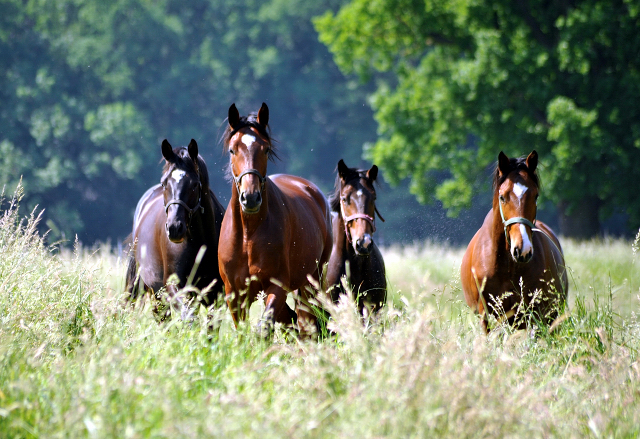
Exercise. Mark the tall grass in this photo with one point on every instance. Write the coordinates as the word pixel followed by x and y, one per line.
pixel 75 362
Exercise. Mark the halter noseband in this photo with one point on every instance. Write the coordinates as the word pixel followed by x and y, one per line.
pixel 514 220
pixel 249 171
pixel 364 216
pixel 190 211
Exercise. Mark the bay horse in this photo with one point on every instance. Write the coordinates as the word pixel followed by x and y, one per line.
pixel 514 264
pixel 353 206
pixel 173 221
pixel 276 232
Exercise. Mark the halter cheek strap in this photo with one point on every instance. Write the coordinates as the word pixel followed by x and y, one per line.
pixel 514 220
pixel 348 219
pixel 190 210
pixel 237 179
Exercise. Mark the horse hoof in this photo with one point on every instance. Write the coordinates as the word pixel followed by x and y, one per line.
pixel 265 328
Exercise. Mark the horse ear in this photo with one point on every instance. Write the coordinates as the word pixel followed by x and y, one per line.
pixel 503 163
pixel 234 117
pixel 263 115
pixel 372 173
pixel 167 151
pixel 343 169
pixel 193 150
pixel 532 161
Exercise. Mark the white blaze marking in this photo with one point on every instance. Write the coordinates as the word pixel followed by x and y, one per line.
pixel 526 244
pixel 359 193
pixel 519 189
pixel 177 175
pixel 248 140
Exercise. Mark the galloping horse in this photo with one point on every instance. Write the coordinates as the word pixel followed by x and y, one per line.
pixel 172 222
pixel 276 231
pixel 518 259
pixel 353 211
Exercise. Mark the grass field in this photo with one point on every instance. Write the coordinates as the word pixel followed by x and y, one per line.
pixel 74 362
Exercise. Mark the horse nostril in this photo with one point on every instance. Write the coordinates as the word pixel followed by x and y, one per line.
pixel 360 246
pixel 243 198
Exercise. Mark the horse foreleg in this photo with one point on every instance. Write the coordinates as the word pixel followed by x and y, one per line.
pixel 276 310
pixel 238 304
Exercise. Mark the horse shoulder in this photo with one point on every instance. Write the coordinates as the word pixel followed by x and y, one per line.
pixel 477 262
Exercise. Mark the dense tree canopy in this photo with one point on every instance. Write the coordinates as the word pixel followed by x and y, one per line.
pixel 90 88
pixel 470 78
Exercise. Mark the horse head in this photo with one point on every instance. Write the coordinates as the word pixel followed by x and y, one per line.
pixel 516 194
pixel 182 188
pixel 249 144
pixel 357 198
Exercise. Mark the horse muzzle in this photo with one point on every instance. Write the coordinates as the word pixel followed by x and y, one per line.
pixel 176 231
pixel 251 203
pixel 362 245
pixel 521 255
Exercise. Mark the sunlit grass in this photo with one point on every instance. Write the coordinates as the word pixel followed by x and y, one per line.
pixel 75 362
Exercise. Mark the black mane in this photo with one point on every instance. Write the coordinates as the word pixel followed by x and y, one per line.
pixel 515 164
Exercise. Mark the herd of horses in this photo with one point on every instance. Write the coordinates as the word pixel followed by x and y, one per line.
pixel 279 234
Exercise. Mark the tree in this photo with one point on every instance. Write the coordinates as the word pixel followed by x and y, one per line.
pixel 471 78
pixel 90 88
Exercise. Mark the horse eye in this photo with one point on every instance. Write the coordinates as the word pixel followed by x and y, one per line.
pixel 231 151
pixel 502 198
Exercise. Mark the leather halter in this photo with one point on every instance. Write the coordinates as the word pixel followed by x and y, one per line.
pixel 249 171
pixel 514 220
pixel 190 210
pixel 364 216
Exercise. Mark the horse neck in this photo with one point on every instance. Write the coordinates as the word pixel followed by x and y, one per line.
pixel 202 225
pixel 340 240
pixel 498 238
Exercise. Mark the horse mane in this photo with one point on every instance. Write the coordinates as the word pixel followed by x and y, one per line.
pixel 334 197
pixel 185 163
pixel 250 121
pixel 515 164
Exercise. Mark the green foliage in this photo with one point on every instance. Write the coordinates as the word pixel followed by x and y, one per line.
pixel 470 79
pixel 75 362
pixel 90 88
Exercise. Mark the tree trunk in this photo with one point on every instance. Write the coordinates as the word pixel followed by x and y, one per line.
pixel 581 221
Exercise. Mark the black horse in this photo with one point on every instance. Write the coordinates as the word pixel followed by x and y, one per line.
pixel 353 210
pixel 173 222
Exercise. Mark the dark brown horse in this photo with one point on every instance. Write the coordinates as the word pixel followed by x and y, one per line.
pixel 173 221
pixel 276 231
pixel 514 260
pixel 353 206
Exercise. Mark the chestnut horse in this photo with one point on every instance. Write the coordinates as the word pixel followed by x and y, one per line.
pixel 172 222
pixel 276 231
pixel 515 261
pixel 353 206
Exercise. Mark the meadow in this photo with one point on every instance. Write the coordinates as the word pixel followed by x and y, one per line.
pixel 76 362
